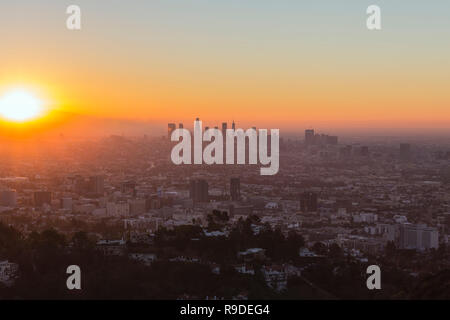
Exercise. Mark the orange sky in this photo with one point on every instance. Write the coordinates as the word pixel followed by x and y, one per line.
pixel 284 72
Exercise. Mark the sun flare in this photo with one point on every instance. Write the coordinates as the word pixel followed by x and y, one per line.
pixel 20 106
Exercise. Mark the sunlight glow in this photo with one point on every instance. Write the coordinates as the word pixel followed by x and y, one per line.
pixel 20 106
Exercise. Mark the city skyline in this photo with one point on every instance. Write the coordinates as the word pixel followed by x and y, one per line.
pixel 240 151
pixel 271 66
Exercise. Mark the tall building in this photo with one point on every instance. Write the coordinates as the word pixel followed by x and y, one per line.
pixel 80 184
pixel 199 190
pixel 42 197
pixel 224 138
pixel 128 187
pixel 233 125
pixel 309 137
pixel 312 138
pixel 417 237
pixel 235 189
pixel 97 185
pixel 170 128
pixel 8 198
pixel 224 128
pixel 180 125
pixel 119 209
pixel 405 151
pixel 308 202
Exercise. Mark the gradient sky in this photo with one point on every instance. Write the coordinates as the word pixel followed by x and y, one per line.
pixel 266 63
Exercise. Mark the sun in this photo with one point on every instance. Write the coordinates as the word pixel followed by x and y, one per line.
pixel 19 106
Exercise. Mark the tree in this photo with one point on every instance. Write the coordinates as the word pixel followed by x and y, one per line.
pixel 319 248
pixel 335 251
pixel 81 242
pixel 11 242
pixel 390 249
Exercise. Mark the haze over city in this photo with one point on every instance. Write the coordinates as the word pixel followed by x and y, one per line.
pixel 110 189
pixel 288 65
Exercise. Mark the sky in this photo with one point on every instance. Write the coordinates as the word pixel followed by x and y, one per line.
pixel 274 64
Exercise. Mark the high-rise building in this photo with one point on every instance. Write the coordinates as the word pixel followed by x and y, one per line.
pixel 224 135
pixel 42 197
pixel 97 185
pixel 233 125
pixel 180 125
pixel 128 187
pixel 80 185
pixel 309 137
pixel 312 138
pixel 119 209
pixel 417 237
pixel 199 190
pixel 308 202
pixel 224 128
pixel 8 198
pixel 235 189
pixel 170 128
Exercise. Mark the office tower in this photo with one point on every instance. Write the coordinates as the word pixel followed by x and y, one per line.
pixel 233 125
pixel 180 125
pixel 199 190
pixel 170 128
pixel 235 189
pixel 405 151
pixel 119 209
pixel 224 135
pixel 128 187
pixel 308 202
pixel 97 185
pixel 8 198
pixel 224 128
pixel 309 137
pixel 417 237
pixel 80 184
pixel 42 197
